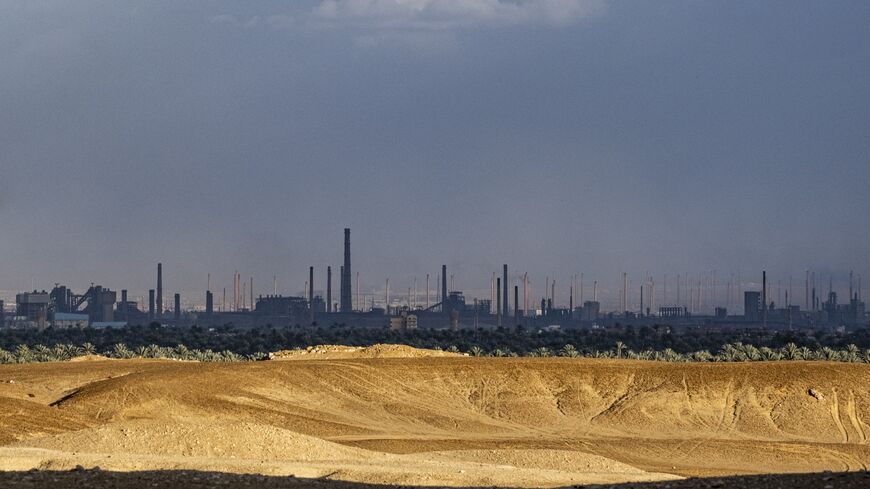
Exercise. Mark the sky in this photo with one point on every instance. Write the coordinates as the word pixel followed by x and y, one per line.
pixel 558 136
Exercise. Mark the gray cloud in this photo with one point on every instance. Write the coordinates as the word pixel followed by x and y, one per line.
pixel 669 137
pixel 453 14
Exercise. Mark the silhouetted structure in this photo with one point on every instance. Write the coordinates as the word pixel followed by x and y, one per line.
pixel 159 289
pixel 346 289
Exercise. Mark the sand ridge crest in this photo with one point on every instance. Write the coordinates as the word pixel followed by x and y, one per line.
pixel 441 420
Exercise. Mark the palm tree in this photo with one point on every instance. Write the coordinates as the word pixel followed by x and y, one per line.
pixel 23 354
pixel 701 356
pixel 540 352
pixel 498 352
pixel 88 349
pixel 791 352
pixel 729 353
pixel 829 354
pixel 619 347
pixel 569 351
pixel 120 350
pixel 851 353
pixel 768 354
pixel 804 353
pixel 475 351
pixel 669 355
pixel 6 356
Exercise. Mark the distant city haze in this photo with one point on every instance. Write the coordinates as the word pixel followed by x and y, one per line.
pixel 557 136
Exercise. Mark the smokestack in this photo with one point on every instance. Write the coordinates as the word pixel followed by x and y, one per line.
pixel 498 301
pixel 209 303
pixel 125 310
pixel 177 309
pixel 516 305
pixel 346 289
pixel 311 292
pixel 443 288
pixel 571 299
pixel 504 281
pixel 151 304
pixel 159 289
pixel 328 289
pixel 764 297
pixel 427 291
pixel 641 300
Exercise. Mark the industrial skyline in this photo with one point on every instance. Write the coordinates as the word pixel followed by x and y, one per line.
pixel 699 292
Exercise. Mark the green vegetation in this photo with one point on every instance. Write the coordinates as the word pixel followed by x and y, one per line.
pixel 736 352
pixel 226 343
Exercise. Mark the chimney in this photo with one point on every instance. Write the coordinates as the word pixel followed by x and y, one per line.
pixel 764 297
pixel 346 289
pixel 209 303
pixel 328 289
pixel 444 288
pixel 159 289
pixel 498 301
pixel 504 299
pixel 125 310
pixel 151 304
pixel 311 293
pixel 177 309
pixel 516 305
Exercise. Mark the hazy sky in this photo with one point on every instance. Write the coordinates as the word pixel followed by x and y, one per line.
pixel 558 136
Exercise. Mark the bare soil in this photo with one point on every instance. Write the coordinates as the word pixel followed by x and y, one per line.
pixel 392 416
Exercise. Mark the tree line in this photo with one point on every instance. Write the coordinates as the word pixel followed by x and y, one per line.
pixel 227 343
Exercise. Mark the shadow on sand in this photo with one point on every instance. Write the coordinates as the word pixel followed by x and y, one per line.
pixel 183 479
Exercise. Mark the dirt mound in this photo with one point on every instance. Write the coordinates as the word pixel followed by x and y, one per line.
pixel 198 437
pixel 24 419
pixel 90 358
pixel 566 460
pixel 362 415
pixel 334 352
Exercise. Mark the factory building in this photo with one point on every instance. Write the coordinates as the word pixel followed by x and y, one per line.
pixel 276 305
pixel 33 306
pixel 752 305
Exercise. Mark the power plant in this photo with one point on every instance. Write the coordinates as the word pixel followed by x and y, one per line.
pixel 700 303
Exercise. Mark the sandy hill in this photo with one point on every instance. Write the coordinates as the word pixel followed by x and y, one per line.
pixel 334 352
pixel 414 418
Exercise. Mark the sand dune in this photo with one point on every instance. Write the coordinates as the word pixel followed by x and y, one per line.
pixel 439 420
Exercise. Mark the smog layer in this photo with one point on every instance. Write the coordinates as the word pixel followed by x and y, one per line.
pixel 395 415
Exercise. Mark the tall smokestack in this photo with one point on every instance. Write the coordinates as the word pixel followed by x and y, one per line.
pixel 151 304
pixel 764 297
pixel 209 303
pixel 328 289
pixel 504 298
pixel 516 304
pixel 311 292
pixel 159 289
pixel 498 301
pixel 346 289
pixel 444 288
pixel 125 310
pixel 177 309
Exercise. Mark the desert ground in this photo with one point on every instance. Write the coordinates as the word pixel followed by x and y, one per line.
pixel 391 415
